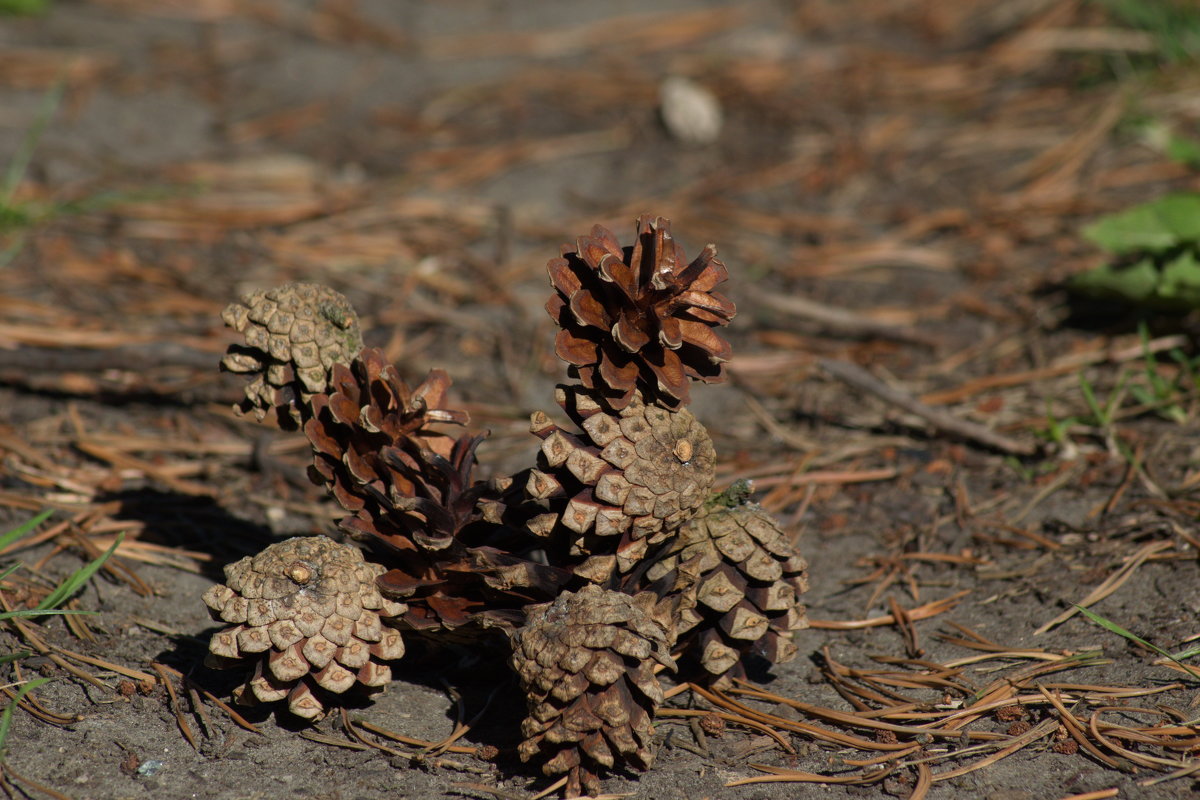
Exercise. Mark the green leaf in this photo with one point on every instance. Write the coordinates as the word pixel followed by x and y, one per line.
pixel 1191 651
pixel 1184 150
pixel 40 612
pixel 1137 228
pixel 8 658
pixel 1135 283
pixel 1117 629
pixel 1180 282
pixel 19 163
pixel 1155 226
pixel 22 8
pixel 1180 214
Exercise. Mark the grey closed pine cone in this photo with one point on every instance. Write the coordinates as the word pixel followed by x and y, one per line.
pixel 740 579
pixel 293 334
pixel 305 618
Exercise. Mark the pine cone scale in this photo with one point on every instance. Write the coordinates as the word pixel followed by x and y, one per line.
pixel 739 582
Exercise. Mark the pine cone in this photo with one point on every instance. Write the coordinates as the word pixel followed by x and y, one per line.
pixel 307 611
pixel 623 483
pixel 370 408
pixel 639 318
pixel 742 579
pixel 294 335
pixel 412 498
pixel 586 664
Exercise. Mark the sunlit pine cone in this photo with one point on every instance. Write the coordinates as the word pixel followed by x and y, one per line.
pixel 368 408
pixel 408 487
pixel 586 663
pixel 620 484
pixel 294 334
pixel 307 613
pixel 639 318
pixel 742 579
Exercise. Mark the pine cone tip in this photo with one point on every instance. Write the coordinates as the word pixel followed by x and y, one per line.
pixel 640 317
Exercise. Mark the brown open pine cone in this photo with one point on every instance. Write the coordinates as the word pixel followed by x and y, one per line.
pixel 742 579
pixel 586 663
pixel 294 334
pixel 357 427
pixel 620 484
pixel 639 318
pixel 307 614
pixel 414 501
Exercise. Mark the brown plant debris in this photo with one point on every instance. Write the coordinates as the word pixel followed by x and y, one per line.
pixel 896 728
pixel 586 662
pixel 307 613
pixel 640 317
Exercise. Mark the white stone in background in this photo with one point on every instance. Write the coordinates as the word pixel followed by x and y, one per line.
pixel 691 113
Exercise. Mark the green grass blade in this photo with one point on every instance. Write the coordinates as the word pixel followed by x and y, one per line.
pixel 1109 625
pixel 6 714
pixel 17 656
pixel 1089 397
pixel 1191 651
pixel 24 528
pixel 76 580
pixel 40 612
pixel 20 160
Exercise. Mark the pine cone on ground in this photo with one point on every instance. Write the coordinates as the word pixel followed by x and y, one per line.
pixel 742 579
pixel 639 318
pixel 307 612
pixel 586 663
pixel 413 499
pixel 368 408
pixel 624 482
pixel 294 335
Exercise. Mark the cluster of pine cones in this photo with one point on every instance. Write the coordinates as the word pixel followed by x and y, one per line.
pixel 608 559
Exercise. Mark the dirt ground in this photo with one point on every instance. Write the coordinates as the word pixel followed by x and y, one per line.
pixel 922 166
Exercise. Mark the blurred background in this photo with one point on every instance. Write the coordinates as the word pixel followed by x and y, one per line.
pixel 911 161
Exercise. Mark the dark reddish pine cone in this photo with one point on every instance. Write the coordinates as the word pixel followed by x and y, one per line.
pixel 294 334
pixel 369 408
pixel 619 485
pixel 414 501
pixel 741 579
pixel 449 558
pixel 307 614
pixel 641 317
pixel 586 662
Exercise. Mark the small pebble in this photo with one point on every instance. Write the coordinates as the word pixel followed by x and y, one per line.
pixel 691 113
